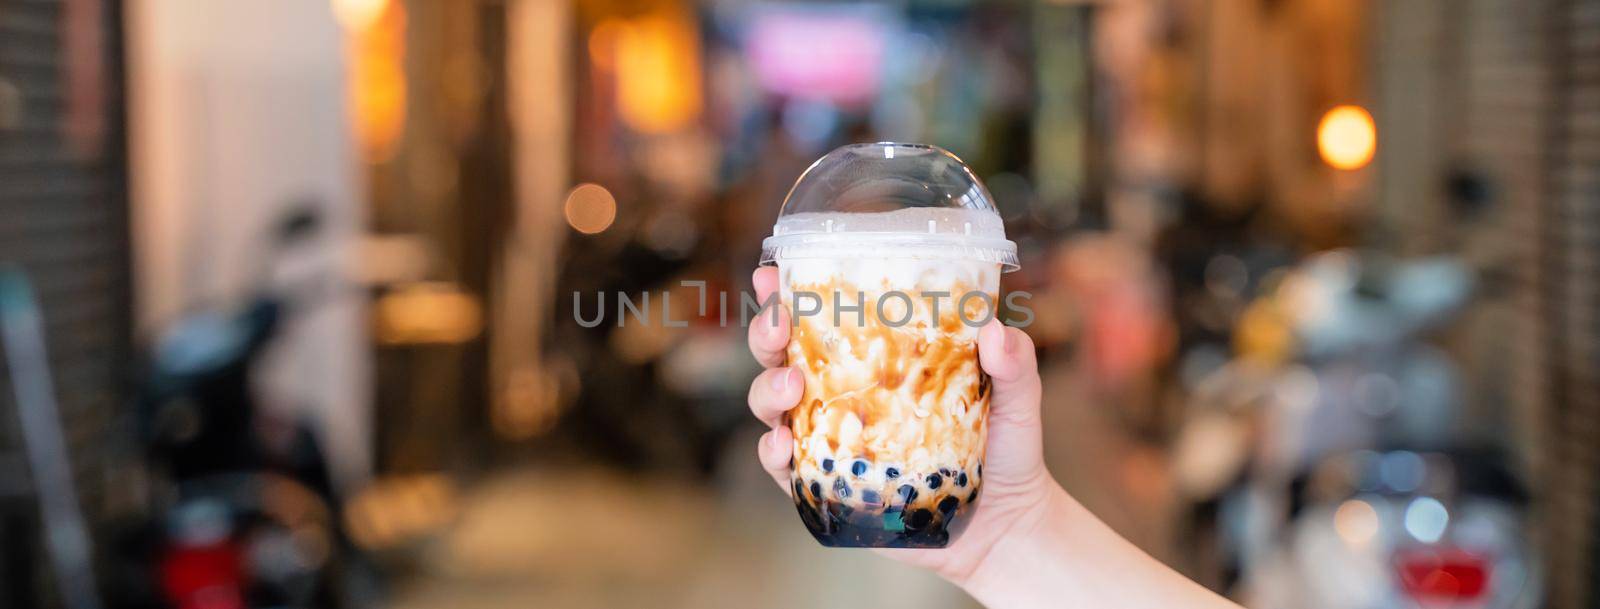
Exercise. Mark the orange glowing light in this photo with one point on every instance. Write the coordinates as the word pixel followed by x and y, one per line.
pixel 427 313
pixel 1356 521
pixel 377 75
pixel 358 15
pixel 590 208
pixel 531 404
pixel 1347 137
pixel 603 43
pixel 657 61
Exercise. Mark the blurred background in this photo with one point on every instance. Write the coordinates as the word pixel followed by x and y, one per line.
pixel 289 291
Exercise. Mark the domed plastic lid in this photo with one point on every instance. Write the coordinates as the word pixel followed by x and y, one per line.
pixel 889 200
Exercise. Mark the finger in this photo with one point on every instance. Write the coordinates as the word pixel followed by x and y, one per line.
pixel 773 451
pixel 774 392
pixel 765 280
pixel 1016 443
pixel 769 332
pixel 1007 355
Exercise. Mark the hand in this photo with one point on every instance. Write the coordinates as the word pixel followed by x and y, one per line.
pixel 1016 485
pixel 1028 544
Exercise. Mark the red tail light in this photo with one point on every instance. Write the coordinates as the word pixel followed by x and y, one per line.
pixel 1443 575
pixel 204 577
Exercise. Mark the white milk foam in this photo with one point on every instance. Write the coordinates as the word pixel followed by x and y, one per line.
pixel 909 275
pixel 920 233
pixel 861 255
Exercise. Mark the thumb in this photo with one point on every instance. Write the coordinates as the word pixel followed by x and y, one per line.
pixel 1016 445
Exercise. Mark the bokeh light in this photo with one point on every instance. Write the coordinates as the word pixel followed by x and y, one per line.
pixel 358 15
pixel 1402 471
pixel 376 71
pixel 1347 138
pixel 603 43
pixel 427 312
pixel 657 72
pixel 1426 519
pixel 1356 521
pixel 590 208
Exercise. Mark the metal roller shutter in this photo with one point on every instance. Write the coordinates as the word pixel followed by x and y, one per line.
pixel 1572 266
pixel 1529 89
pixel 63 220
pixel 1517 102
pixel 1496 103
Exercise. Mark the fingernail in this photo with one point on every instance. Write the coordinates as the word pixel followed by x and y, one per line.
pixel 1006 341
pixel 780 382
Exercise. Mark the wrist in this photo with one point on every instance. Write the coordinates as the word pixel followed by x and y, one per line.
pixel 1060 555
pixel 1028 550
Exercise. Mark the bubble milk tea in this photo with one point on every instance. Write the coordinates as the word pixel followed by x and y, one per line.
pixel 889 258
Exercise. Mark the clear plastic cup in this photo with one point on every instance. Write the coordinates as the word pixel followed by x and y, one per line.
pixel 890 258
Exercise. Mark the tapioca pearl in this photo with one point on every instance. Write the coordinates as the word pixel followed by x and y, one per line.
pixel 945 471
pixel 974 496
pixel 907 493
pixel 870 496
pixel 841 488
pixel 827 465
pixel 891 473
pixel 859 468
pixel 816 489
pixel 918 519
pixel 935 480
pixel 948 505
pixel 961 479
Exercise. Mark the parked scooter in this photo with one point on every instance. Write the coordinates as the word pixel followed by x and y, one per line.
pixel 246 513
pixel 1329 369
pixel 1405 529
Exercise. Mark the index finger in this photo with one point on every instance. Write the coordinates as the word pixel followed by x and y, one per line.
pixel 768 340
